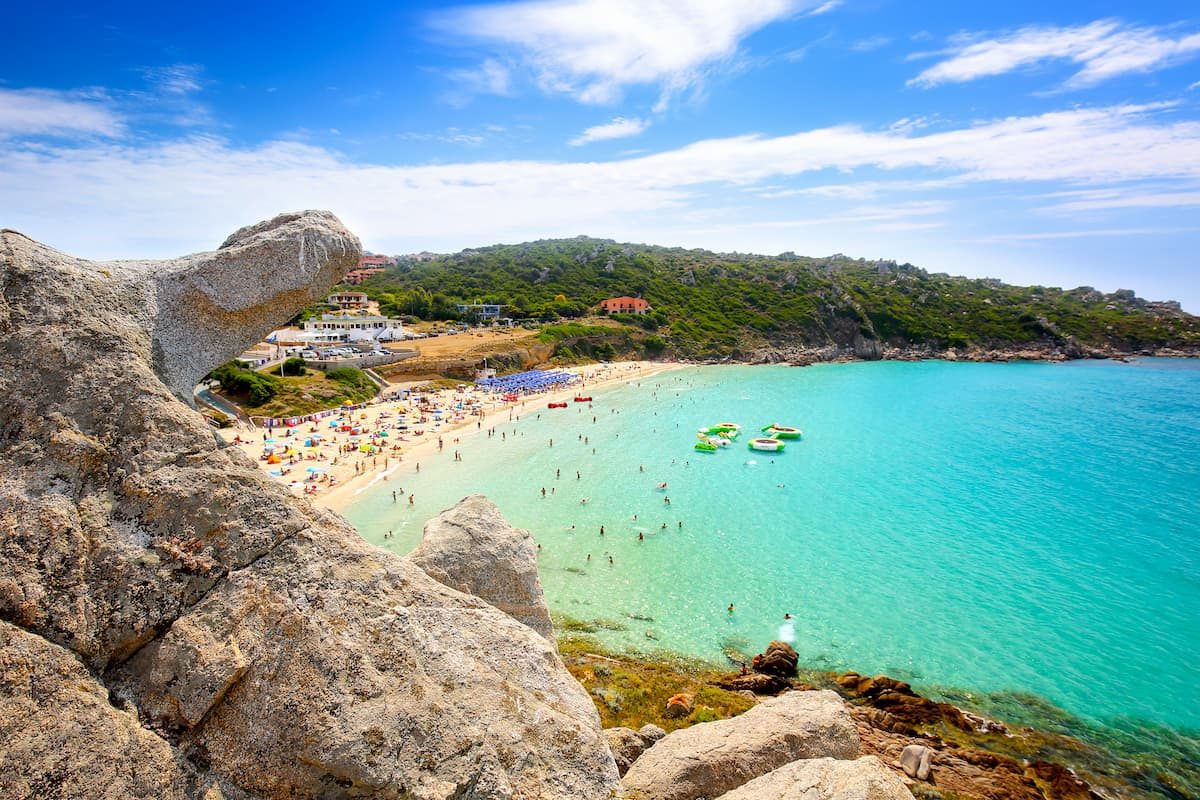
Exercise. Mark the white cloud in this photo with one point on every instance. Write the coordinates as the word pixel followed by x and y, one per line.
pixel 1124 198
pixel 34 112
pixel 1043 236
pixel 108 199
pixel 619 128
pixel 176 79
pixel 825 8
pixel 593 49
pixel 870 43
pixel 1103 50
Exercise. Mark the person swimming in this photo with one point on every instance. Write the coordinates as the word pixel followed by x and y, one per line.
pixel 787 631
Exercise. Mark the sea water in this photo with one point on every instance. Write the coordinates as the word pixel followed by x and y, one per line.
pixel 1021 527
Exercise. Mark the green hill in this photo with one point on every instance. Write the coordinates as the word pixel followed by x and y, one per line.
pixel 716 305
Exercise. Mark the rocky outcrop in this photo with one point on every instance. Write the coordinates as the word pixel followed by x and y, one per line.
pixel 825 779
pixel 755 682
pixel 626 745
pixel 715 757
pixel 200 310
pixel 259 644
pixel 779 659
pixel 907 708
pixel 473 549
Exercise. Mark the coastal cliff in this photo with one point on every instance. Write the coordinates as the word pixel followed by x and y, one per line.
pixel 174 625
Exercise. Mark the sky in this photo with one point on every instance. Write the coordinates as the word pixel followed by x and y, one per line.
pixel 1040 143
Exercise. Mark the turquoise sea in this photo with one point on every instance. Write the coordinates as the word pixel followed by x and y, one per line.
pixel 1027 527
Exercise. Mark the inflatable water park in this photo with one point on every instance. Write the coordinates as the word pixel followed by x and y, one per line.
pixel 713 438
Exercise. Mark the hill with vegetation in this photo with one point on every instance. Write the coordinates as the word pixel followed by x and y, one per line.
pixel 720 305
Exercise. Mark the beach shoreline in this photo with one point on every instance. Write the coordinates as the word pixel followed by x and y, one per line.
pixel 356 473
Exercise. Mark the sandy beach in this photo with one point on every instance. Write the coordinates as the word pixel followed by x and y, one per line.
pixel 331 469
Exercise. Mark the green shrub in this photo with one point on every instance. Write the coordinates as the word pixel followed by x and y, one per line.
pixel 293 366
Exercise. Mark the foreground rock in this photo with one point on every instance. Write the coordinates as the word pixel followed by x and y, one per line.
pixel 473 549
pixel 62 738
pixel 825 779
pixel 715 757
pixel 261 645
pixel 626 745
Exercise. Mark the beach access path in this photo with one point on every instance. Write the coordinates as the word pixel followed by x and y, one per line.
pixel 343 476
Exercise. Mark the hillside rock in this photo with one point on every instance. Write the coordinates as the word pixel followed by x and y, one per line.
pixel 263 643
pixel 825 779
pixel 473 549
pixel 711 758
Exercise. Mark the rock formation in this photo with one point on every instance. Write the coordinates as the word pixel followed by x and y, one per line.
pixel 825 779
pixel 709 759
pixel 914 760
pixel 779 659
pixel 175 624
pixel 626 745
pixel 471 548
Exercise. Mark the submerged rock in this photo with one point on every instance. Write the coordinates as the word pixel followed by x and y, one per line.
pixel 472 548
pixel 266 645
pixel 714 757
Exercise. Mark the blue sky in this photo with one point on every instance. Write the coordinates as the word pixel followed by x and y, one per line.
pixel 1050 143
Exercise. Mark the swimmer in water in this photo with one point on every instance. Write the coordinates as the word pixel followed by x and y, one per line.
pixel 731 608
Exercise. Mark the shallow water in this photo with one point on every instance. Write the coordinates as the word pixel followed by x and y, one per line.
pixel 992 527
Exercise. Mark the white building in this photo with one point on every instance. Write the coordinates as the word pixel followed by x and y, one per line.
pixel 355 328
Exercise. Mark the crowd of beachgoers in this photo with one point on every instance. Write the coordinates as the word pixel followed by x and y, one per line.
pixel 336 455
